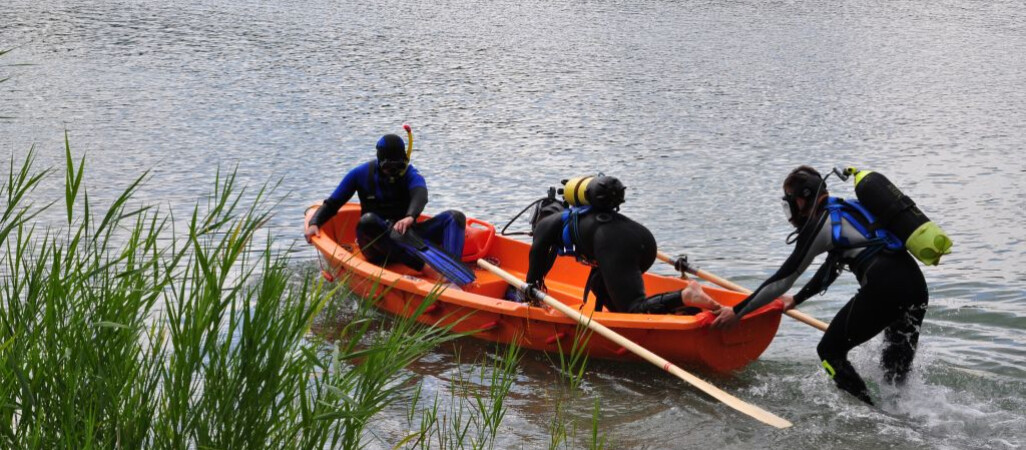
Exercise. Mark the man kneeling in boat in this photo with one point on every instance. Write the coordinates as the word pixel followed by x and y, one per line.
pixel 392 195
pixel 619 250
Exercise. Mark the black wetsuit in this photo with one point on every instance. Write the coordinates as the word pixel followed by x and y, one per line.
pixel 621 250
pixel 892 298
pixel 384 201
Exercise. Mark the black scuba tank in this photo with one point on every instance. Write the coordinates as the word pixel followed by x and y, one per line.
pixel 897 213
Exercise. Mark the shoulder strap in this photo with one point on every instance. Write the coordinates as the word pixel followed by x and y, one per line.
pixel 834 207
pixel 569 217
pixel 372 169
pixel 863 221
pixel 571 232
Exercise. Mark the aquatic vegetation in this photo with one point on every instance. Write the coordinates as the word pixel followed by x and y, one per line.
pixel 118 329
pixel 563 429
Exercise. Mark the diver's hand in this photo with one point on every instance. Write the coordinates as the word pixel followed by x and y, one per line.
pixel 311 231
pixel 532 293
pixel 725 318
pixel 403 224
pixel 788 302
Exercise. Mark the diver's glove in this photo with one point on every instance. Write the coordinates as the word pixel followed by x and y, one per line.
pixel 533 293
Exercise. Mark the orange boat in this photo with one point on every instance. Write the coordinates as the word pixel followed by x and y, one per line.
pixel 685 340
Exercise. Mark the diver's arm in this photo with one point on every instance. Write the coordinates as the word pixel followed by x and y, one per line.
pixel 418 200
pixel 547 236
pixel 806 249
pixel 823 278
pixel 345 191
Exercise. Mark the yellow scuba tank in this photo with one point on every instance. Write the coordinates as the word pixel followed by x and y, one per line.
pixel 601 191
pixel 897 213
pixel 574 190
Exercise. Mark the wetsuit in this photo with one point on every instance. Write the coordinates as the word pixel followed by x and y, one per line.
pixel 620 249
pixel 892 298
pixel 383 202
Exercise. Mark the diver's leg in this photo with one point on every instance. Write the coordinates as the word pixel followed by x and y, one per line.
pixel 857 322
pixel 901 339
pixel 447 229
pixel 372 235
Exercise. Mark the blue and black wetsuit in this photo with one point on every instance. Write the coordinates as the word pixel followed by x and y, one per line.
pixel 620 249
pixel 892 297
pixel 383 201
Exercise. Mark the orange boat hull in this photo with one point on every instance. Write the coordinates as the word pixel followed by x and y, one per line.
pixel 480 308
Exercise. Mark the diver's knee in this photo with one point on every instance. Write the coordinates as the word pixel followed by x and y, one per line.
pixel 458 217
pixel 370 219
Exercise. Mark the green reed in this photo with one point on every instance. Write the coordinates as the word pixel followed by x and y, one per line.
pixel 563 429
pixel 475 408
pixel 121 327
pixel 120 330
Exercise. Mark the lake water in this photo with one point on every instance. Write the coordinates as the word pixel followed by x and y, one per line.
pixel 700 107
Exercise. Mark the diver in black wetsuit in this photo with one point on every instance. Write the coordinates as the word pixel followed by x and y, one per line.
pixel 618 249
pixel 893 294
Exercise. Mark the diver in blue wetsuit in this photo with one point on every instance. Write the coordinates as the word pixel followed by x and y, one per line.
pixel 892 296
pixel 392 196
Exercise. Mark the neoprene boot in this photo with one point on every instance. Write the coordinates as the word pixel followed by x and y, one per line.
pixel 846 378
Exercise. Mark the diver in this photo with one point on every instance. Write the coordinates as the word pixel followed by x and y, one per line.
pixel 392 196
pixel 618 249
pixel 892 296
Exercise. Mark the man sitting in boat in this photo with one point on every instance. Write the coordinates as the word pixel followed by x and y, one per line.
pixel 619 250
pixel 392 195
pixel 893 293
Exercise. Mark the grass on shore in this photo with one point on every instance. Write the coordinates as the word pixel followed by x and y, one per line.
pixel 119 329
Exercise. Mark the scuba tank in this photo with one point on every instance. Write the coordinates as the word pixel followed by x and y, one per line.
pixel 897 213
pixel 602 192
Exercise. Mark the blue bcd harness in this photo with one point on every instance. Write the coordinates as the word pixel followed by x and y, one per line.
pixel 875 235
pixel 571 235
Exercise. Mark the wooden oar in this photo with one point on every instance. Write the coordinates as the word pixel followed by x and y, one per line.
pixel 794 313
pixel 731 401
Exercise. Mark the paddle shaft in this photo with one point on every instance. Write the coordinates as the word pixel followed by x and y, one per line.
pixel 731 401
pixel 727 284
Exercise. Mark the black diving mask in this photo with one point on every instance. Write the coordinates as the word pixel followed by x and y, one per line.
pixel 392 167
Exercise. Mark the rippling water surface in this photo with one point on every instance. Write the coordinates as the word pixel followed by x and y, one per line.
pixel 700 107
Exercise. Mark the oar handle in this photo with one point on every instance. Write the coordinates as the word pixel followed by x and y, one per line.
pixel 734 402
pixel 727 284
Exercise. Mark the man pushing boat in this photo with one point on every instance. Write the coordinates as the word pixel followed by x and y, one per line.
pixel 392 196
pixel 618 249
pixel 869 236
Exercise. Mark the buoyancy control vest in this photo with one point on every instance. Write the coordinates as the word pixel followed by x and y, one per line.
pixel 863 221
pixel 571 237
pixel 390 203
pixel 897 213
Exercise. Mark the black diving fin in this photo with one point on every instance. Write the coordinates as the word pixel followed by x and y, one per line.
pixel 451 268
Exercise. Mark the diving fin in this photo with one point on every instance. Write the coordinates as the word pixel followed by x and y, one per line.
pixel 451 268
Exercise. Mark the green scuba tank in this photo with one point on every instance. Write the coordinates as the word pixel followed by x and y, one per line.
pixel 897 213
